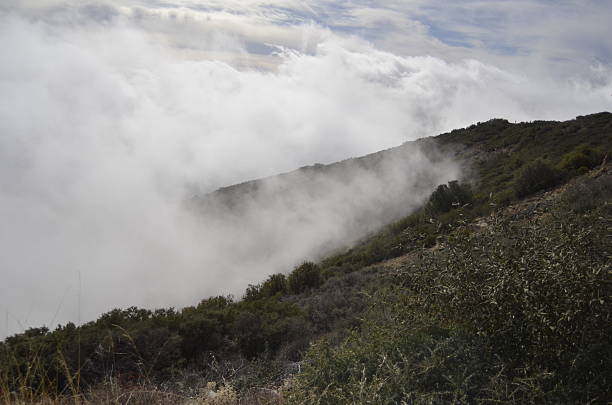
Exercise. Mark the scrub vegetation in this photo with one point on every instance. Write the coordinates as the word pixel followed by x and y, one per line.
pixel 498 290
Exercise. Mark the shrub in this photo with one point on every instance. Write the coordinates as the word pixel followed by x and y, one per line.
pixel 503 198
pixel 582 197
pixel 513 314
pixel 264 371
pixel 213 395
pixel 445 197
pixel 249 330
pixel 275 284
pixel 264 325
pixel 199 334
pixel 252 293
pixel 583 157
pixel 534 177
pixel 217 303
pixel 539 294
pixel 304 277
pixel 433 365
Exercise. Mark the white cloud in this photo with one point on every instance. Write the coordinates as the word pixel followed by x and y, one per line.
pixel 104 132
pixel 562 38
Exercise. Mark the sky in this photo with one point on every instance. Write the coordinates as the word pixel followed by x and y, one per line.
pixel 114 113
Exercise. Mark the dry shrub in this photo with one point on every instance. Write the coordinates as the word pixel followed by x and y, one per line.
pixel 517 312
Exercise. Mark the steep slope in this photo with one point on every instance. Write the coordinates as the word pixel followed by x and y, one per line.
pixel 491 146
pixel 510 308
pixel 359 298
pixel 311 211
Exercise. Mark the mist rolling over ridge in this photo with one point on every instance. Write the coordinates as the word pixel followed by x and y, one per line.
pixel 271 225
pixel 119 120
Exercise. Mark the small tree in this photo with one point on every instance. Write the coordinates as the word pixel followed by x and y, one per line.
pixel 252 293
pixel 304 277
pixel 534 177
pixel 583 158
pixel 445 197
pixel 275 284
pixel 199 334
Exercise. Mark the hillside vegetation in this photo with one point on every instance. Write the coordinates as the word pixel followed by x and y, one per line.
pixel 512 309
pixel 497 290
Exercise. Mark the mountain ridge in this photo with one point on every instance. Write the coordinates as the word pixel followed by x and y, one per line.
pixel 443 278
pixel 369 160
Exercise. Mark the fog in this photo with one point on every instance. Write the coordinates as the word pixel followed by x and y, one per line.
pixel 112 130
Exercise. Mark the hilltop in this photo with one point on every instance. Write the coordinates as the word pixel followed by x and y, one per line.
pixel 496 289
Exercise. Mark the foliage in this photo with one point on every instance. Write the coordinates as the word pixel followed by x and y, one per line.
pixel 199 334
pixel 265 371
pixel 516 313
pixel 141 346
pixel 394 365
pixel 263 326
pixel 497 152
pixel 485 308
pixel 503 198
pixel 225 395
pixel 446 197
pixel 304 277
pixel 581 158
pixel 580 197
pixel 534 177
pixel 275 284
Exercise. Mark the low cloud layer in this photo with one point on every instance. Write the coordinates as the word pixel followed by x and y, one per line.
pixel 111 118
pixel 563 38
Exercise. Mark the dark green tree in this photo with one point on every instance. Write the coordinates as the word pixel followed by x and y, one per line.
pixel 534 177
pixel 304 277
pixel 446 197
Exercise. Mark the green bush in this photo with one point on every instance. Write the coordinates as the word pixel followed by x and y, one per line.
pixel 534 177
pixel 539 294
pixel 446 197
pixel 252 293
pixel 503 198
pixel 275 284
pixel 304 277
pixel 262 372
pixel 583 157
pixel 433 365
pixel 264 325
pixel 199 334
pixel 582 197
pixel 513 314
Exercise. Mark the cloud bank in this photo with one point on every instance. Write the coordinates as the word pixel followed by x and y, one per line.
pixel 112 116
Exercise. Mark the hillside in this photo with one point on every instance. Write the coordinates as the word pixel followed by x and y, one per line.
pixel 513 307
pixel 495 290
pixel 477 144
pixel 314 210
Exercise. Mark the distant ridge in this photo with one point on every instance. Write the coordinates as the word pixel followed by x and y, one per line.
pixel 467 145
